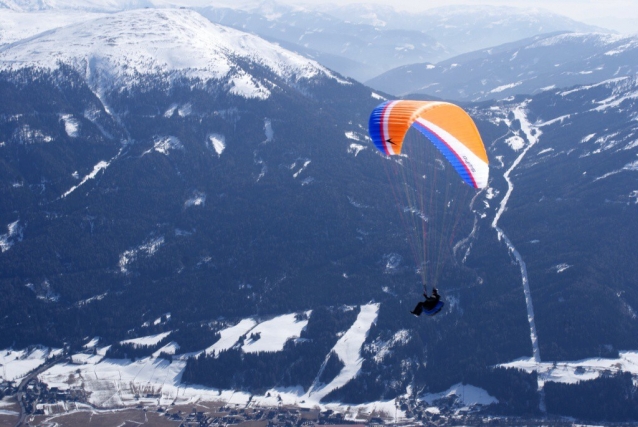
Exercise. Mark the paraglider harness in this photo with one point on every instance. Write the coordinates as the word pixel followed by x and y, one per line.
pixel 431 305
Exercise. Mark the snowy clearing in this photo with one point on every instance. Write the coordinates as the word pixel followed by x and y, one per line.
pixel 274 333
pixel 230 336
pixel 147 340
pixel 581 370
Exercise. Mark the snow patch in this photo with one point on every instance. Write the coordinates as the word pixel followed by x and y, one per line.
pixel 101 165
pixel 149 340
pixel 147 249
pixel 561 267
pixel 575 371
pixel 198 199
pixel 355 149
pixel 71 125
pixel 633 166
pixel 381 349
pixel 274 333
pixel 303 167
pixel 15 364
pixel 505 87
pixel 230 336
pixel 515 142
pixel 13 234
pixel 217 142
pixel 164 144
pixel 468 395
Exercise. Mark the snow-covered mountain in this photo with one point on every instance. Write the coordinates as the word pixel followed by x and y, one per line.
pixel 525 67
pixel 463 28
pixel 174 43
pixel 152 197
pixel 360 41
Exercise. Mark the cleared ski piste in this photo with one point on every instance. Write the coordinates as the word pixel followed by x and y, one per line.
pixel 348 349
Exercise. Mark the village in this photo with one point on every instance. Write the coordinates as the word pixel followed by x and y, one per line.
pixel 42 405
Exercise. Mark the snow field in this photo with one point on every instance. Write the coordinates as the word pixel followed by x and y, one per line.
pixel 275 333
pixel 15 364
pixel 163 41
pixel 148 340
pixel 581 370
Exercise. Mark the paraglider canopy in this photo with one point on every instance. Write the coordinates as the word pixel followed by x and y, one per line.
pixel 446 125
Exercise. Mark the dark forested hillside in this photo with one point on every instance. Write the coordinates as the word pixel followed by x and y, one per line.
pixel 184 206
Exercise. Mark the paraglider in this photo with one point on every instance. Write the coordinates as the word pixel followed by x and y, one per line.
pixel 453 132
pixel 430 306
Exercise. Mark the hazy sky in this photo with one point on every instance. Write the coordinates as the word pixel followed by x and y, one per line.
pixel 619 15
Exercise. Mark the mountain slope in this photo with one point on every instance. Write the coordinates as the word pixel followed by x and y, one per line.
pixel 143 42
pixel 525 67
pixel 175 217
pixel 464 28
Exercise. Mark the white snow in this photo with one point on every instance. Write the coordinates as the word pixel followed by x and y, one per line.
pixel 355 149
pixel 13 234
pixel 468 395
pixel 148 248
pixel 377 96
pixel 164 144
pixel 230 336
pixel 301 169
pixel 198 199
pixel 93 343
pixel 581 370
pixel 171 110
pixel 274 333
pixel 217 143
pixel 170 348
pixel 15 364
pixel 515 142
pixel 561 267
pixel 149 340
pixel 91 299
pixel 141 42
pixel 71 125
pixel 587 138
pixel 633 166
pixel 101 165
pixel 384 348
pixel 532 137
pixel 505 87
pixel 348 349
pixel 353 135
pixel 18 25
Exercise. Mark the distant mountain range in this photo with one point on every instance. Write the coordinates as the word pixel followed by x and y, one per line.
pixel 527 66
pixel 359 41
pixel 183 190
